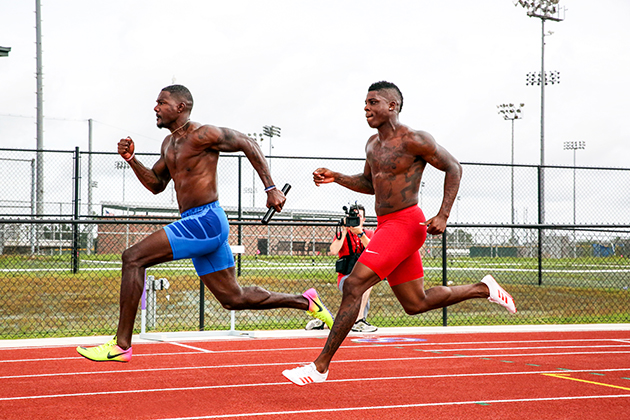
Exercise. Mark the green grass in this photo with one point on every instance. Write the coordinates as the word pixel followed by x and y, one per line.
pixel 41 297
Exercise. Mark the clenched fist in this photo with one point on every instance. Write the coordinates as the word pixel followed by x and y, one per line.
pixel 126 149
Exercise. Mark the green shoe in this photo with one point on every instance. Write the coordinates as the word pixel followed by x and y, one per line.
pixel 108 352
pixel 316 308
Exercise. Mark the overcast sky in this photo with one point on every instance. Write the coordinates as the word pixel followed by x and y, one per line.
pixel 305 67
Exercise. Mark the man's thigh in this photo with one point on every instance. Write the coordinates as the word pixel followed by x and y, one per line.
pixel 153 249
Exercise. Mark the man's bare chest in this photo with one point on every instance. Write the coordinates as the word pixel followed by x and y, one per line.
pixel 391 160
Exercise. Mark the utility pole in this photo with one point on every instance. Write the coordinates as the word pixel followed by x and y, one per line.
pixel 40 109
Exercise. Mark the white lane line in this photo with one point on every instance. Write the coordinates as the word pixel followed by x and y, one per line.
pixel 250 365
pixel 190 347
pixel 360 360
pixel 391 407
pixel 374 336
pixel 255 385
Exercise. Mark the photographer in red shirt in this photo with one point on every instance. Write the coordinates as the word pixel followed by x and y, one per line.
pixel 359 238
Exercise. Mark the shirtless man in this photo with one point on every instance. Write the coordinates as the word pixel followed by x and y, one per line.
pixel 189 157
pixel 396 158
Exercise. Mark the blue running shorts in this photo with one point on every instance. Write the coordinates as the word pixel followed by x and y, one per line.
pixel 201 234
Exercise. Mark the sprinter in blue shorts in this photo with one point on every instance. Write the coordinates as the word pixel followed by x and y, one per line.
pixel 189 157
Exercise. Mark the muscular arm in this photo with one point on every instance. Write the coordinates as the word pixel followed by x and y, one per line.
pixel 440 158
pixel 360 183
pixel 228 140
pixel 233 141
pixel 155 179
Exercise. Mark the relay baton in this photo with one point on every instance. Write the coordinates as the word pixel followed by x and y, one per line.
pixel 272 210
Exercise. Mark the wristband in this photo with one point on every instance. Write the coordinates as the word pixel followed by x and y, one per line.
pixel 132 156
pixel 269 188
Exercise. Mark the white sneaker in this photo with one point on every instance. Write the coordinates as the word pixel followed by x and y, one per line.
pixel 303 375
pixel 363 326
pixel 498 294
pixel 315 324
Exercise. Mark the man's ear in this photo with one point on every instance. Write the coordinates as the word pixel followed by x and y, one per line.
pixel 181 107
pixel 393 106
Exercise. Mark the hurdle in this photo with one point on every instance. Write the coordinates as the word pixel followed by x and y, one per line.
pixel 149 315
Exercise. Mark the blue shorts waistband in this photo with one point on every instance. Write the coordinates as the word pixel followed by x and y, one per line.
pixel 199 209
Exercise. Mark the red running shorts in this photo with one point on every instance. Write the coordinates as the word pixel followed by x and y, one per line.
pixel 394 250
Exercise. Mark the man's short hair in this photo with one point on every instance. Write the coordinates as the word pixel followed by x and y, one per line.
pixel 181 92
pixel 383 85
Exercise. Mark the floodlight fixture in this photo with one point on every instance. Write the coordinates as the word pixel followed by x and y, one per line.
pixel 550 78
pixel 542 9
pixel 574 145
pixel 271 131
pixel 4 51
pixel 511 111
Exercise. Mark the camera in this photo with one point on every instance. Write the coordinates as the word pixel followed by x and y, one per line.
pixel 352 218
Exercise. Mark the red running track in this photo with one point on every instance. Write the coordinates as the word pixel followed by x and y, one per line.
pixel 543 375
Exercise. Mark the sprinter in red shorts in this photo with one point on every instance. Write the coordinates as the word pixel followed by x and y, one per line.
pixel 396 158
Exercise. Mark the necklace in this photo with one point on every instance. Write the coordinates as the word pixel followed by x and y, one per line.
pixel 180 127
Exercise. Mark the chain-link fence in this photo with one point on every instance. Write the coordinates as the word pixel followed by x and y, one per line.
pixel 60 252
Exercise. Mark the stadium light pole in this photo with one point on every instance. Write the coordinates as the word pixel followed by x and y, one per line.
pixel 543 10
pixel 575 146
pixel 257 137
pixel 511 112
pixel 271 131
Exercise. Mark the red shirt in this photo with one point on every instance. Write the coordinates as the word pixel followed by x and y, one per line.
pixel 357 246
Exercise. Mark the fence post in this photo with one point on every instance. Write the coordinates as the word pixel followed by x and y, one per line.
pixel 444 277
pixel 202 305
pixel 239 228
pixel 75 212
pixel 540 221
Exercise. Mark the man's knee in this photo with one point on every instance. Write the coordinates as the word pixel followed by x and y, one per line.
pixel 354 287
pixel 130 257
pixel 415 309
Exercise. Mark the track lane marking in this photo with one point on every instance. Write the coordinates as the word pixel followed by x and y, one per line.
pixel 568 376
pixel 390 407
pixel 201 350
pixel 390 359
pixel 423 344
pixel 254 385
